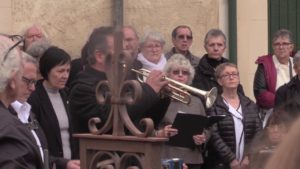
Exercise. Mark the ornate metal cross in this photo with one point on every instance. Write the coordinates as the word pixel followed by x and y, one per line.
pixel 118 150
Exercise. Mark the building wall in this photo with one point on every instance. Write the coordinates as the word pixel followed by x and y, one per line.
pixel 5 16
pixel 252 38
pixel 69 22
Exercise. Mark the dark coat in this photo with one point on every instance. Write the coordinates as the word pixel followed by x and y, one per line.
pixel 84 104
pixel 205 76
pixel 194 60
pixel 289 91
pixel 45 114
pixel 16 143
pixel 222 143
pixel 59 162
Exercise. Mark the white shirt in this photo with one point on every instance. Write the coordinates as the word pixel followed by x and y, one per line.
pixel 23 111
pixel 283 71
pixel 239 130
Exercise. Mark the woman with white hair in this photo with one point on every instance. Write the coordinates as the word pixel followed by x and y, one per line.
pixel 16 142
pixel 180 69
pixel 151 55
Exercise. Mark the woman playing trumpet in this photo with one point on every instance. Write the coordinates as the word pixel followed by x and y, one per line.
pixel 180 69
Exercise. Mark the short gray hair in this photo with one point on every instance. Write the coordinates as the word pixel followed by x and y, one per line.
pixel 38 48
pixel 11 65
pixel 283 33
pixel 156 36
pixel 220 68
pixel 178 60
pixel 214 33
pixel 26 58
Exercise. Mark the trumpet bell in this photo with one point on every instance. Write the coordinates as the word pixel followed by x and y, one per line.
pixel 181 92
pixel 211 97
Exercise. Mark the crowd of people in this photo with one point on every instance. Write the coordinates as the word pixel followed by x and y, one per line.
pixel 45 97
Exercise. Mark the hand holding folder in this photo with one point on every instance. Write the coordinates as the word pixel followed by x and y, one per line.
pixel 189 125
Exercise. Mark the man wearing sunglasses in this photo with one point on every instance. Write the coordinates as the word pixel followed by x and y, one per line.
pixel 182 39
pixel 16 142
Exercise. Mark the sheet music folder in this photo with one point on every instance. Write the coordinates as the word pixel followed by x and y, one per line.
pixel 189 125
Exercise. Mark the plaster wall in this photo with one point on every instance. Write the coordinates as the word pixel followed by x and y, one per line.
pixel 252 39
pixel 69 22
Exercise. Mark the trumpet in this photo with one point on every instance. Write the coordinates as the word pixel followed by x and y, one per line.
pixel 180 91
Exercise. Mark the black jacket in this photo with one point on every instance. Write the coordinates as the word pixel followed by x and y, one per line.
pixel 288 91
pixel 205 76
pixel 44 112
pixel 17 148
pixel 84 104
pixel 222 143
pixel 59 162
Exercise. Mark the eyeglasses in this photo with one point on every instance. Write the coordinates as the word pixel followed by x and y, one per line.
pixel 187 37
pixel 183 72
pixel 284 44
pixel 29 82
pixel 227 76
pixel 15 38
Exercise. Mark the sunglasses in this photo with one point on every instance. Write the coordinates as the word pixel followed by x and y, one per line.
pixel 183 72
pixel 182 37
pixel 15 38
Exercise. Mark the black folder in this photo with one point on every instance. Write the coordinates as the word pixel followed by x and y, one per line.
pixel 189 125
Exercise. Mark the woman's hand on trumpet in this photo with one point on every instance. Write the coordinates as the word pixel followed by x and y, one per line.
pixel 156 80
pixel 167 131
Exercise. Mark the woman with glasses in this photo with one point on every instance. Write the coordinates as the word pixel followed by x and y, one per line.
pixel 230 136
pixel 50 104
pixel 151 56
pixel 179 68
pixel 273 71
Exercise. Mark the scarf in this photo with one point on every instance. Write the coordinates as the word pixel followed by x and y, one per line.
pixel 150 65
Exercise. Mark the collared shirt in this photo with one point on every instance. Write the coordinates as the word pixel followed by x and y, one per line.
pixel 23 112
pixel 284 71
pixel 239 130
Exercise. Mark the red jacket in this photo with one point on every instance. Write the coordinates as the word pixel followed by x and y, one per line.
pixel 266 96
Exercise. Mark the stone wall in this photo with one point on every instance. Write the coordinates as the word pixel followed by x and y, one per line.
pixel 69 22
